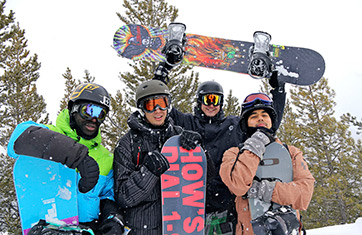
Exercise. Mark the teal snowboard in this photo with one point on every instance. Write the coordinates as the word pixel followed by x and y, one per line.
pixel 45 190
pixel 276 164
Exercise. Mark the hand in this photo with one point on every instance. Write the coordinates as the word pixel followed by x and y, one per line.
pixel 156 163
pixel 113 225
pixel 257 142
pixel 275 83
pixel 162 71
pixel 89 171
pixel 262 190
pixel 189 139
pixel 268 132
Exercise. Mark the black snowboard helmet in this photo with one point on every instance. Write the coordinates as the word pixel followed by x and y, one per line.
pixel 209 87
pixel 90 92
pixel 253 102
pixel 151 88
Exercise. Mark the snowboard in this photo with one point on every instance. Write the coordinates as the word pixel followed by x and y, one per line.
pixel 183 188
pixel 295 65
pixel 276 164
pixel 45 190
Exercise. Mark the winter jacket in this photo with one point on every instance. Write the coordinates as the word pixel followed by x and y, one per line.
pixel 238 176
pixel 137 190
pixel 69 151
pixel 219 133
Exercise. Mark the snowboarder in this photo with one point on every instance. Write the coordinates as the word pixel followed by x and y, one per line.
pixel 218 133
pixel 259 121
pixel 138 163
pixel 75 141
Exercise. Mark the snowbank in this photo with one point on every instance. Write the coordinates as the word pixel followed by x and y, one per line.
pixel 353 229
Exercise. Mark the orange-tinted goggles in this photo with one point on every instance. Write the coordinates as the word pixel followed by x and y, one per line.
pixel 209 99
pixel 151 104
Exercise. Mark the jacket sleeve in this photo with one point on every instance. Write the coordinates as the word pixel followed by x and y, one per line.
pixel 297 193
pixel 131 186
pixel 184 120
pixel 279 104
pixel 237 172
pixel 32 139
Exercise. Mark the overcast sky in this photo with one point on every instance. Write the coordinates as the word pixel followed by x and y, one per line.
pixel 78 34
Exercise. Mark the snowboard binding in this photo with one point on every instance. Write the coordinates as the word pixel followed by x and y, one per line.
pixel 45 228
pixel 260 65
pixel 174 48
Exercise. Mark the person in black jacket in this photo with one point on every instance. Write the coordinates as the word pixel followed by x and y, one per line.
pixel 138 163
pixel 219 133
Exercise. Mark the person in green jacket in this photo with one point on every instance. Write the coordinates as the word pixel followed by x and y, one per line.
pixel 75 141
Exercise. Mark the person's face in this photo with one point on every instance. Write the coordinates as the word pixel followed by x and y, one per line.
pixel 210 110
pixel 156 118
pixel 260 118
pixel 88 127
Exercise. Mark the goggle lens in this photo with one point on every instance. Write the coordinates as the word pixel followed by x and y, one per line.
pixel 209 99
pixel 252 98
pixel 90 111
pixel 151 104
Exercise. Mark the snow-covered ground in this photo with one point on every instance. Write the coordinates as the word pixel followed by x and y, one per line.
pixel 350 229
pixel 347 229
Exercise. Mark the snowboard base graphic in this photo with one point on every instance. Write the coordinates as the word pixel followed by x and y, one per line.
pixel 45 190
pixel 295 65
pixel 276 164
pixel 183 189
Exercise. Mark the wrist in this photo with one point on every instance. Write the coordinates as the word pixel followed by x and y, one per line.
pixel 116 218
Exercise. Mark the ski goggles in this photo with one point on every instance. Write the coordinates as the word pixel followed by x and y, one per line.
pixel 252 98
pixel 89 111
pixel 150 105
pixel 209 99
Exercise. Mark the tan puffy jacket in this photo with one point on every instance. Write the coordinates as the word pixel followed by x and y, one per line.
pixel 297 193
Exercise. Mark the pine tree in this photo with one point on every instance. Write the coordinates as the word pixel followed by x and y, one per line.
pixel 20 102
pixel 115 125
pixel 156 13
pixel 231 105
pixel 332 154
pixel 70 85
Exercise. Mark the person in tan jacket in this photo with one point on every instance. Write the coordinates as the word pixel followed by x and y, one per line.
pixel 239 165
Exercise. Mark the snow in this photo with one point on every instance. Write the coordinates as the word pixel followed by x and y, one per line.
pixel 2 150
pixel 355 229
pixel 350 229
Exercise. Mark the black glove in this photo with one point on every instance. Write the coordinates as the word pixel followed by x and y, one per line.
pixel 189 139
pixel 162 71
pixel 89 171
pixel 113 225
pixel 275 83
pixel 156 163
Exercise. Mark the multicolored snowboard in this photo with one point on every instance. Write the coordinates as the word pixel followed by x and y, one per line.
pixel 295 65
pixel 45 190
pixel 276 164
pixel 183 189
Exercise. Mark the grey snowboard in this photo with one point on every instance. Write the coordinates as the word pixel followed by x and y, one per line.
pixel 276 164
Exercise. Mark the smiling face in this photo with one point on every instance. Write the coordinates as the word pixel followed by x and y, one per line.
pixel 156 118
pixel 259 118
pixel 210 110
